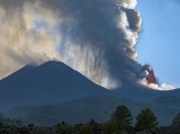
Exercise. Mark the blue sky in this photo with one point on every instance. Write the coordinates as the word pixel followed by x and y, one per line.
pixel 159 41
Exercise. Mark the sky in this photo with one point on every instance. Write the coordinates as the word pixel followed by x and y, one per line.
pixel 158 43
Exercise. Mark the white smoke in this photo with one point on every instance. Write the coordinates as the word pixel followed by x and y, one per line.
pixel 164 86
pixel 22 41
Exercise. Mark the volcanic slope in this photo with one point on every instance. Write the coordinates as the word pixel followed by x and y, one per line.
pixel 54 82
pixel 51 82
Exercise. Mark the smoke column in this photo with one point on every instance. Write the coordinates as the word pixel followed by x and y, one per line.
pixel 95 37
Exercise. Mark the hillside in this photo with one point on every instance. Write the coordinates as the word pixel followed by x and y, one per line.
pixel 99 108
pixel 51 82
pixel 54 82
pixel 140 93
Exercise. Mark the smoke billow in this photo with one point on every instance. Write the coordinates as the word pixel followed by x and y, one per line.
pixel 95 37
pixel 148 78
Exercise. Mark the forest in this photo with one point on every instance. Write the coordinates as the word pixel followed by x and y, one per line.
pixel 121 122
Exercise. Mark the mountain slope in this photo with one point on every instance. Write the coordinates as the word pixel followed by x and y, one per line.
pixel 99 108
pixel 51 82
pixel 140 93
pixel 55 82
pixel 18 74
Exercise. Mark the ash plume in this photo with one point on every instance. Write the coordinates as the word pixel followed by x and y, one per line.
pixel 148 78
pixel 95 37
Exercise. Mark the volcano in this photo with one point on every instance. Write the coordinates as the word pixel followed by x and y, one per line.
pixel 54 82
pixel 51 82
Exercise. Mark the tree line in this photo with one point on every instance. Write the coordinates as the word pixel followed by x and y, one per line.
pixel 121 122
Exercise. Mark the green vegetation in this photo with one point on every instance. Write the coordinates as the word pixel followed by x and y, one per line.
pixel 176 120
pixel 123 116
pixel 86 129
pixel 146 120
pixel 121 122
pixel 10 122
pixel 64 128
pixel 99 108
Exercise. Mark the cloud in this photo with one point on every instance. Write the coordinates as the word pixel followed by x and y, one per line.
pixel 164 86
pixel 20 41
pixel 95 37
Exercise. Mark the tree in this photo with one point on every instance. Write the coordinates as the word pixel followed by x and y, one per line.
pixel 176 120
pixel 111 127
pixel 146 120
pixel 122 116
pixel 86 129
pixel 120 121
pixel 95 126
pixel 64 128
